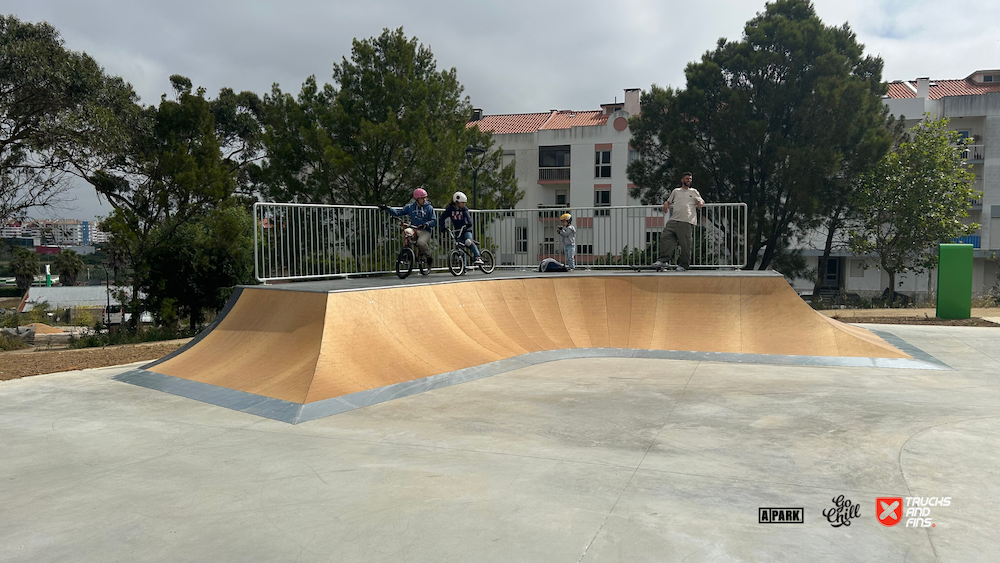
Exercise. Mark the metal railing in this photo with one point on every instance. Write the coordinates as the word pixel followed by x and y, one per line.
pixel 969 239
pixel 974 152
pixel 978 186
pixel 301 241
pixel 553 174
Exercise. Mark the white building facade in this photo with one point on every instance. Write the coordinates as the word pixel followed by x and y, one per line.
pixel 568 158
pixel 972 106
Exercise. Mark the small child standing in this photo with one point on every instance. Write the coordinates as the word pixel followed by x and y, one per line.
pixel 568 233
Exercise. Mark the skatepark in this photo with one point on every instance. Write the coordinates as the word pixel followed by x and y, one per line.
pixel 588 416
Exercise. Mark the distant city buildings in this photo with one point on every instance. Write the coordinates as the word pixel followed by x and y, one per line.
pixel 59 233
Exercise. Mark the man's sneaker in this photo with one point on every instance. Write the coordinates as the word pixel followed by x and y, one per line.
pixel 478 262
pixel 659 264
pixel 681 269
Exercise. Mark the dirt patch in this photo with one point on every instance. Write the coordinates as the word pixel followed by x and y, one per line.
pixel 974 321
pixel 14 365
pixel 40 328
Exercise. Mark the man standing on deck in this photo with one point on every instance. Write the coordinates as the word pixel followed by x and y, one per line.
pixel 679 230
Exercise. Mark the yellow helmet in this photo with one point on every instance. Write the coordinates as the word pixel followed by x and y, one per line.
pixel 565 217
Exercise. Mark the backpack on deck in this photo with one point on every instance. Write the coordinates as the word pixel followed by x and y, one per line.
pixel 552 265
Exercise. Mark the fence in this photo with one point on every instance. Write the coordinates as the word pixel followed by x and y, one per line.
pixel 301 241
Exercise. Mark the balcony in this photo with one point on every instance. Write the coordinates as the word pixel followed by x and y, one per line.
pixel 977 201
pixel 974 153
pixel 969 239
pixel 553 175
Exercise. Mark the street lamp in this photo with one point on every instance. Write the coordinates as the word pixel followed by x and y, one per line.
pixel 470 156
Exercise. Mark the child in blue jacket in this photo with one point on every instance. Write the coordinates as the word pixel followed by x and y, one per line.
pixel 461 220
pixel 422 217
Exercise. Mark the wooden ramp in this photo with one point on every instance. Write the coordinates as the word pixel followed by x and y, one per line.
pixel 303 347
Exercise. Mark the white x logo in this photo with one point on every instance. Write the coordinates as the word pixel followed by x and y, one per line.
pixel 889 510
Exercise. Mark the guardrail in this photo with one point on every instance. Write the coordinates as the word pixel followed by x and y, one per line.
pixel 303 241
pixel 973 152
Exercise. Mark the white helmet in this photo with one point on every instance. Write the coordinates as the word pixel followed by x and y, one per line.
pixel 460 197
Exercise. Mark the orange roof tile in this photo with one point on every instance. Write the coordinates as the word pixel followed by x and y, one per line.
pixel 511 123
pixel 943 88
pixel 531 122
pixel 567 119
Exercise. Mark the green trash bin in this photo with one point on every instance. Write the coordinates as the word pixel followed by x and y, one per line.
pixel 954 290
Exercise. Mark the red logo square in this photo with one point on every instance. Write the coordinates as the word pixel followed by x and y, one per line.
pixel 889 510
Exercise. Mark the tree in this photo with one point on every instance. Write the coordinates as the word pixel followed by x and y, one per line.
pixel 54 104
pixel 393 124
pixel 913 199
pixel 25 267
pixel 172 174
pixel 68 265
pixel 298 146
pixel 838 200
pixel 496 184
pixel 206 258
pixel 769 120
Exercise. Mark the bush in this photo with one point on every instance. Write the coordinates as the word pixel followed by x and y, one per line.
pixel 39 314
pixel 8 342
pixel 10 291
pixel 99 338
pixel 993 294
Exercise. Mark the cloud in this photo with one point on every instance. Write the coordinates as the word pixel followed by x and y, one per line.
pixel 515 56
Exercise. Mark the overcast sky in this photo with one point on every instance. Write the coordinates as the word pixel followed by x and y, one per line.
pixel 512 57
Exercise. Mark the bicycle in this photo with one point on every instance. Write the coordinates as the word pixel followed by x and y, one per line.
pixel 410 254
pixel 461 256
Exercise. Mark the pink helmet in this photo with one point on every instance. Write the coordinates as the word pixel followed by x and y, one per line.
pixel 419 193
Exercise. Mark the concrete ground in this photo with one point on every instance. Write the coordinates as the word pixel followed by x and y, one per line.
pixel 579 460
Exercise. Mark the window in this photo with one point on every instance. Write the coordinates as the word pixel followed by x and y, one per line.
pixel 633 155
pixel 602 198
pixel 521 239
pixel 602 164
pixel 990 78
pixel 857 269
pixel 508 157
pixel 562 198
pixel 548 247
pixel 553 157
pixel 584 241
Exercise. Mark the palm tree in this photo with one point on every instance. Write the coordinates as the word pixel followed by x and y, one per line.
pixel 25 267
pixel 68 266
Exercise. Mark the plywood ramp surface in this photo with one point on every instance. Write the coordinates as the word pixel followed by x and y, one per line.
pixel 306 347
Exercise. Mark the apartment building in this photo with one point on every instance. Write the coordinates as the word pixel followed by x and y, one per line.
pixel 566 157
pixel 60 232
pixel 972 106
pixel 69 232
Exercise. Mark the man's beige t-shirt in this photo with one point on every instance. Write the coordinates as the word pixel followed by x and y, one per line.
pixel 684 205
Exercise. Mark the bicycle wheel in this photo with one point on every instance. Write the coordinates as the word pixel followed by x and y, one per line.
pixel 456 262
pixel 404 262
pixel 424 264
pixel 489 263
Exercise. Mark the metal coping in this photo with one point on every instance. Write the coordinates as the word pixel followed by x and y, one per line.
pixel 295 413
pixel 387 282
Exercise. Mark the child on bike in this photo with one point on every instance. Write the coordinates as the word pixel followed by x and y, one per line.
pixel 461 221
pixel 422 218
pixel 567 231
